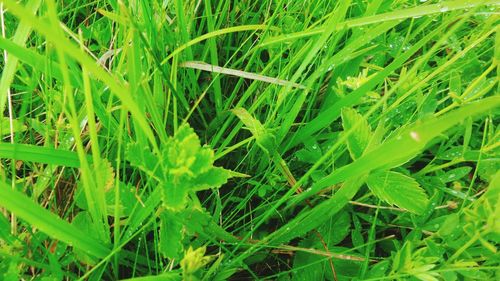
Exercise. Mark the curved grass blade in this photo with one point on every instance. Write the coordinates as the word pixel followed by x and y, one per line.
pixel 243 74
pixel 215 34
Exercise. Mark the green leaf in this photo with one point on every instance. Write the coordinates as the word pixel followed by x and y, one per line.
pixel 336 229
pixel 16 202
pixel 142 158
pixel 170 235
pixel 17 126
pixel 188 167
pixel 359 139
pixel 213 178
pixel 455 174
pixel 398 189
pixel 175 192
pixel 404 146
pixel 83 221
pixel 265 140
pixel 127 200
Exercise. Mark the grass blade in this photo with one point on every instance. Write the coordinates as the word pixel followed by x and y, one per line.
pixel 17 203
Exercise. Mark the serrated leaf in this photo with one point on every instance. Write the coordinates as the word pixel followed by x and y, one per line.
pixel 175 192
pixel 360 137
pixel 127 200
pixel 142 158
pixel 213 178
pixel 203 161
pixel 105 175
pixel 186 167
pixel 83 222
pixel 170 235
pixel 104 178
pixel 398 189
pixel 265 140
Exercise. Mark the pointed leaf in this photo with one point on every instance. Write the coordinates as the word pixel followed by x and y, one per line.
pixel 46 221
pixel 213 178
pixel 263 137
pixel 398 189
pixel 359 138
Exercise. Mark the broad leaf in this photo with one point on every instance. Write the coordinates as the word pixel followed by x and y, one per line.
pixel 398 189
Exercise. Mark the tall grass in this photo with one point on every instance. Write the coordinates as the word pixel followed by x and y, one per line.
pixel 248 140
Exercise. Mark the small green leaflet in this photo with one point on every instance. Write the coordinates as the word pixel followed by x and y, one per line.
pixel 398 189
pixel 360 137
pixel 263 137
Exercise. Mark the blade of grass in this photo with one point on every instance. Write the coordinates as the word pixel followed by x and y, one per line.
pixel 39 154
pixel 215 34
pixel 329 115
pixel 59 229
pixel 238 73
pixel 415 12
pixel 403 147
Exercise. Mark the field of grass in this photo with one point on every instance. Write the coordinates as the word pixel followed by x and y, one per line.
pixel 250 140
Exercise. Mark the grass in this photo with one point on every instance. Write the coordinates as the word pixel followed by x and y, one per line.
pixel 249 140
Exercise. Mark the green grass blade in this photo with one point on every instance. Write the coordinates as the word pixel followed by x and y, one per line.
pixel 39 154
pixel 17 203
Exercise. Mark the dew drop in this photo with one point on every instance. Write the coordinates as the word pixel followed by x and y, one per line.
pixel 414 135
pixel 444 9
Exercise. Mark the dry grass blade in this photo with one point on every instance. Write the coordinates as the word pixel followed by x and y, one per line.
pixel 243 74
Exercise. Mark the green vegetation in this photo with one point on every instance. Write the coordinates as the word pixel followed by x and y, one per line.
pixel 248 140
